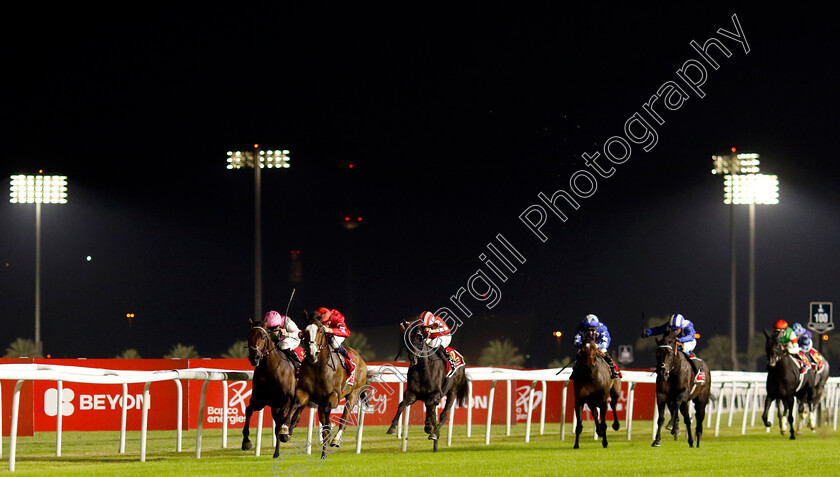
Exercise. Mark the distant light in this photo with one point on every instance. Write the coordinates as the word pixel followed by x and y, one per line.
pixel 346 219
pixel 751 189
pixel 697 335
pixel 351 166
pixel 825 337
pixel 88 258
pixel 558 333
pixel 733 149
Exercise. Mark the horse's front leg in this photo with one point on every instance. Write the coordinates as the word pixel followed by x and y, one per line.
pixel 431 418
pixel 764 416
pixel 660 406
pixel 246 442
pixel 408 400
pixel 300 401
pixel 578 424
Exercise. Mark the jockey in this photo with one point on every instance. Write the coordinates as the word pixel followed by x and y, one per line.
pixel 805 339
pixel 788 338
pixel 335 326
pixel 601 335
pixel 686 335
pixel 285 334
pixel 436 334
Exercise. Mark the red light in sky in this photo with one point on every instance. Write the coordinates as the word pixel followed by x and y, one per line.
pixel 351 166
pixel 733 149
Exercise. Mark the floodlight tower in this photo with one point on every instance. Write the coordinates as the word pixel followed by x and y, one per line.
pixel 38 189
pixel 744 185
pixel 257 159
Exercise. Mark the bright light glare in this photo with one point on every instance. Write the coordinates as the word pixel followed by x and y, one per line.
pixel 751 189
pixel 38 189
pixel 262 159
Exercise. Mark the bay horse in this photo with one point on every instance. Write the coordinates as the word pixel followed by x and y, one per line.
pixel 593 385
pixel 785 384
pixel 427 382
pixel 322 383
pixel 273 382
pixel 676 387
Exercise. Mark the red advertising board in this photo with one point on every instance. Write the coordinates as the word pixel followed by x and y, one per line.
pixel 93 407
pixel 98 407
pixel 25 421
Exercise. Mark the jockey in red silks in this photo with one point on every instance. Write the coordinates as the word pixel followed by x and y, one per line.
pixel 436 333
pixel 285 333
pixel 337 331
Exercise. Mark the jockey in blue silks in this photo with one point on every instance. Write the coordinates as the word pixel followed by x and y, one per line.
pixel 601 335
pixel 686 335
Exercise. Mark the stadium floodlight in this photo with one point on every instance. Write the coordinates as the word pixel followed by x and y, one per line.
pixel 258 159
pixel 743 185
pixel 38 189
pixel 751 189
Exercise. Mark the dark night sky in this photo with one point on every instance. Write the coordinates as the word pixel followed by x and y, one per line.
pixel 454 122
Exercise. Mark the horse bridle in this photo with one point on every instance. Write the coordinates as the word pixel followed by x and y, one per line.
pixel 258 354
pixel 666 370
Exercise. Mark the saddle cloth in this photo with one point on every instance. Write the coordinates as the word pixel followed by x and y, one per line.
pixel 300 353
pixel 459 361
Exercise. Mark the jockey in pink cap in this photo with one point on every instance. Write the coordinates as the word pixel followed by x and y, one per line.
pixel 285 334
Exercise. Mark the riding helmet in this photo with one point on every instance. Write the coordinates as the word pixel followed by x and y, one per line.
pixel 781 325
pixel 272 319
pixel 592 321
pixel 677 321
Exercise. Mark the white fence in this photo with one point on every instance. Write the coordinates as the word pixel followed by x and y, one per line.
pixel 739 391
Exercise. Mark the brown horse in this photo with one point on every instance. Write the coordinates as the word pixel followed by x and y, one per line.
pixel 273 383
pixel 322 382
pixel 593 385
pixel 676 387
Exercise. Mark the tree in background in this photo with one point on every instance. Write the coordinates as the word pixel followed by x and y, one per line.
pixel 717 352
pixel 237 350
pixel 180 351
pixel 359 342
pixel 23 348
pixel 130 353
pixel 501 353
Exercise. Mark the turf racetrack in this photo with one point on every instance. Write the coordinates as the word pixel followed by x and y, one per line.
pixel 731 454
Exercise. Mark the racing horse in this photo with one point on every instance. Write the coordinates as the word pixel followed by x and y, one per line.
pixel 785 384
pixel 676 386
pixel 426 381
pixel 593 385
pixel 273 382
pixel 322 382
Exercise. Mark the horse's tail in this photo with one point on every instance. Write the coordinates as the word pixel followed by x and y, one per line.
pixel 462 394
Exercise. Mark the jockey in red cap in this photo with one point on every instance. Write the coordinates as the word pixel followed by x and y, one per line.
pixel 335 326
pixel 285 334
pixel 436 333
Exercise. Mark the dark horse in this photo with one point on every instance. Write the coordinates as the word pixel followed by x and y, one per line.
pixel 426 382
pixel 274 381
pixel 676 386
pixel 784 384
pixel 322 382
pixel 593 385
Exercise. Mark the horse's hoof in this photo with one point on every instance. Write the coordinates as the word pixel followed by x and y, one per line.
pixel 615 426
pixel 577 446
pixel 391 430
pixel 433 437
pixel 284 438
pixel 656 444
pixel 246 445
pixel 604 444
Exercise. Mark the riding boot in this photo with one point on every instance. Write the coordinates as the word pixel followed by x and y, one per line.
pixel 290 353
pixel 350 366
pixel 611 363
